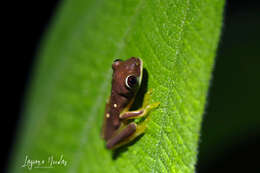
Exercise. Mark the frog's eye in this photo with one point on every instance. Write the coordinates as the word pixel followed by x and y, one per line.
pixel 130 81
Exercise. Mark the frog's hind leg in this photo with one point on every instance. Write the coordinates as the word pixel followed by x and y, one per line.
pixel 128 134
pixel 130 131
pixel 118 140
pixel 140 129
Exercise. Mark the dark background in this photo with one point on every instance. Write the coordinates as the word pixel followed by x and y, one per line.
pixel 230 138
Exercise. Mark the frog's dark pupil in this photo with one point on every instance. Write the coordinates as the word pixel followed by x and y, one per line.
pixel 131 81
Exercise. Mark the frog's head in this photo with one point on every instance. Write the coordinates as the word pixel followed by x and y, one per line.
pixel 127 76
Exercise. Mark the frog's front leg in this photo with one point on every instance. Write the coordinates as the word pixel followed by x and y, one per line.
pixel 138 113
pixel 142 111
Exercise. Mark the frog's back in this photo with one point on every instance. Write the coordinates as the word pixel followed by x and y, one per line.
pixel 111 121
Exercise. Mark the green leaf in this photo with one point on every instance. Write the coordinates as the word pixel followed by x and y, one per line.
pixel 177 40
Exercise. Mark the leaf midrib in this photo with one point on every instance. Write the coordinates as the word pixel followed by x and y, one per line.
pixel 166 111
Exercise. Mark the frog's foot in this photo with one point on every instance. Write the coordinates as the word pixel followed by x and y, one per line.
pixel 128 134
pixel 147 97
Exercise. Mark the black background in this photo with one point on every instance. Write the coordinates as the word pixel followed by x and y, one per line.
pixel 26 22
pixel 230 145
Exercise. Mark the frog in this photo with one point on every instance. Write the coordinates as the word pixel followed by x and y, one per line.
pixel 119 127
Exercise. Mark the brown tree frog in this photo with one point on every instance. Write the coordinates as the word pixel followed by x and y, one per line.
pixel 118 129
